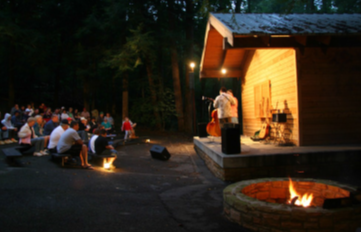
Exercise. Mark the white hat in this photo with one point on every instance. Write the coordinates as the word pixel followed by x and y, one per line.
pixel 82 118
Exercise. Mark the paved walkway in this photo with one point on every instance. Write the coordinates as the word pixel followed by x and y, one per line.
pixel 142 194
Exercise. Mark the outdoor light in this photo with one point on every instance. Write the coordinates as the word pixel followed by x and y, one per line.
pixel 192 65
pixel 224 71
pixel 147 141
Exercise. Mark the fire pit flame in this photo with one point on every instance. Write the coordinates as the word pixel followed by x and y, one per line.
pixel 298 199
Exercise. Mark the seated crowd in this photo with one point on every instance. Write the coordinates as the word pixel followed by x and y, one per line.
pixel 39 129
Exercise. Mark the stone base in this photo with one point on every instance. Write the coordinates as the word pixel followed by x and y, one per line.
pixel 258 161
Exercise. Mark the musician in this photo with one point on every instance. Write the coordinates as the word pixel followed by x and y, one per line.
pixel 234 108
pixel 223 104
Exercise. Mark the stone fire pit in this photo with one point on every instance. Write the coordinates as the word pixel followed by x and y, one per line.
pixel 259 205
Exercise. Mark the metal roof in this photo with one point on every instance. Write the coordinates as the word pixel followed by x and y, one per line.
pixel 291 24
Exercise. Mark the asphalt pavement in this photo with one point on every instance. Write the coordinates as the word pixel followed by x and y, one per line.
pixel 141 194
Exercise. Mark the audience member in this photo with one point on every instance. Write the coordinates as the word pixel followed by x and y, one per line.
pixel 42 109
pixel 110 119
pixel 64 114
pixel 102 147
pixel 22 110
pixel 76 115
pixel 85 114
pixel 16 120
pixel 28 108
pixel 70 113
pixel 83 129
pixel 92 141
pixel 8 131
pixel 71 143
pixel 15 108
pixel 55 135
pixel 51 125
pixel 57 112
pixel 39 128
pixel 47 114
pixel 28 139
pixel 95 113
pixel 100 119
pixel 93 125
pixel 107 125
pixel 36 112
pixel 25 115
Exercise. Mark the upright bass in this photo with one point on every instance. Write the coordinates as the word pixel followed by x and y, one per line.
pixel 213 127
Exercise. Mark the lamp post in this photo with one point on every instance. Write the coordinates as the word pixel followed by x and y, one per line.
pixel 192 97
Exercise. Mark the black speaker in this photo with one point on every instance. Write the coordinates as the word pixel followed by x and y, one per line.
pixel 279 117
pixel 231 143
pixel 159 152
pixel 202 129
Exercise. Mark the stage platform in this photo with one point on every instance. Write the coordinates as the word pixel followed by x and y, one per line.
pixel 260 159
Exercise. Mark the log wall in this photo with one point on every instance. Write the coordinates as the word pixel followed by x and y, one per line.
pixel 329 95
pixel 279 67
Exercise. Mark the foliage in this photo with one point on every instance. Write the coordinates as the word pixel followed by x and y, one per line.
pixel 75 52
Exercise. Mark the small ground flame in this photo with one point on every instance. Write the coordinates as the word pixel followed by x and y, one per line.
pixel 106 165
pixel 301 200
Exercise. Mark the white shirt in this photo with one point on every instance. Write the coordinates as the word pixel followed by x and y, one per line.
pixel 223 102
pixel 92 143
pixel 67 139
pixel 55 136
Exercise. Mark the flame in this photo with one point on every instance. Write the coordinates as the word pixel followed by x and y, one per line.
pixel 106 165
pixel 303 200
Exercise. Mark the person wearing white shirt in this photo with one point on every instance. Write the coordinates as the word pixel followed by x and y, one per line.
pixel 223 104
pixel 92 141
pixel 55 135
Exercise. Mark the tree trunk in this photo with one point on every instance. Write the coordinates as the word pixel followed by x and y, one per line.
pixel 238 6
pixel 310 6
pixel 325 6
pixel 125 112
pixel 113 98
pixel 249 8
pixel 175 71
pixel 11 69
pixel 189 57
pixel 86 92
pixel 153 93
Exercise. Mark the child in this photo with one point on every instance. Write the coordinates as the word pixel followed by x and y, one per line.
pixel 127 126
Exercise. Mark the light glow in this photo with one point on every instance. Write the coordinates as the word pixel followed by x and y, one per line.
pixel 106 165
pixel 224 71
pixel 303 200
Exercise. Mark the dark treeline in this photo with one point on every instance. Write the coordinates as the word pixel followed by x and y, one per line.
pixel 125 57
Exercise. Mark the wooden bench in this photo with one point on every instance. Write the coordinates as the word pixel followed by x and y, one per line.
pixel 62 156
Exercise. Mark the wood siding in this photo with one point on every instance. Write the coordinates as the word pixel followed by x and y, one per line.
pixel 329 95
pixel 279 67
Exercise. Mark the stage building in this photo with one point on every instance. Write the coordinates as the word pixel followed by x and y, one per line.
pixel 306 66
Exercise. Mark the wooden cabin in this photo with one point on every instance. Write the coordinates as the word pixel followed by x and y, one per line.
pixel 307 66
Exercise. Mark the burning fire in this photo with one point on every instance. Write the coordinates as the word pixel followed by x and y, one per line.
pixel 304 200
pixel 106 165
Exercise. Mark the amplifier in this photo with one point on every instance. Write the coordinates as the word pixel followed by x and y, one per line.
pixel 231 143
pixel 279 117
